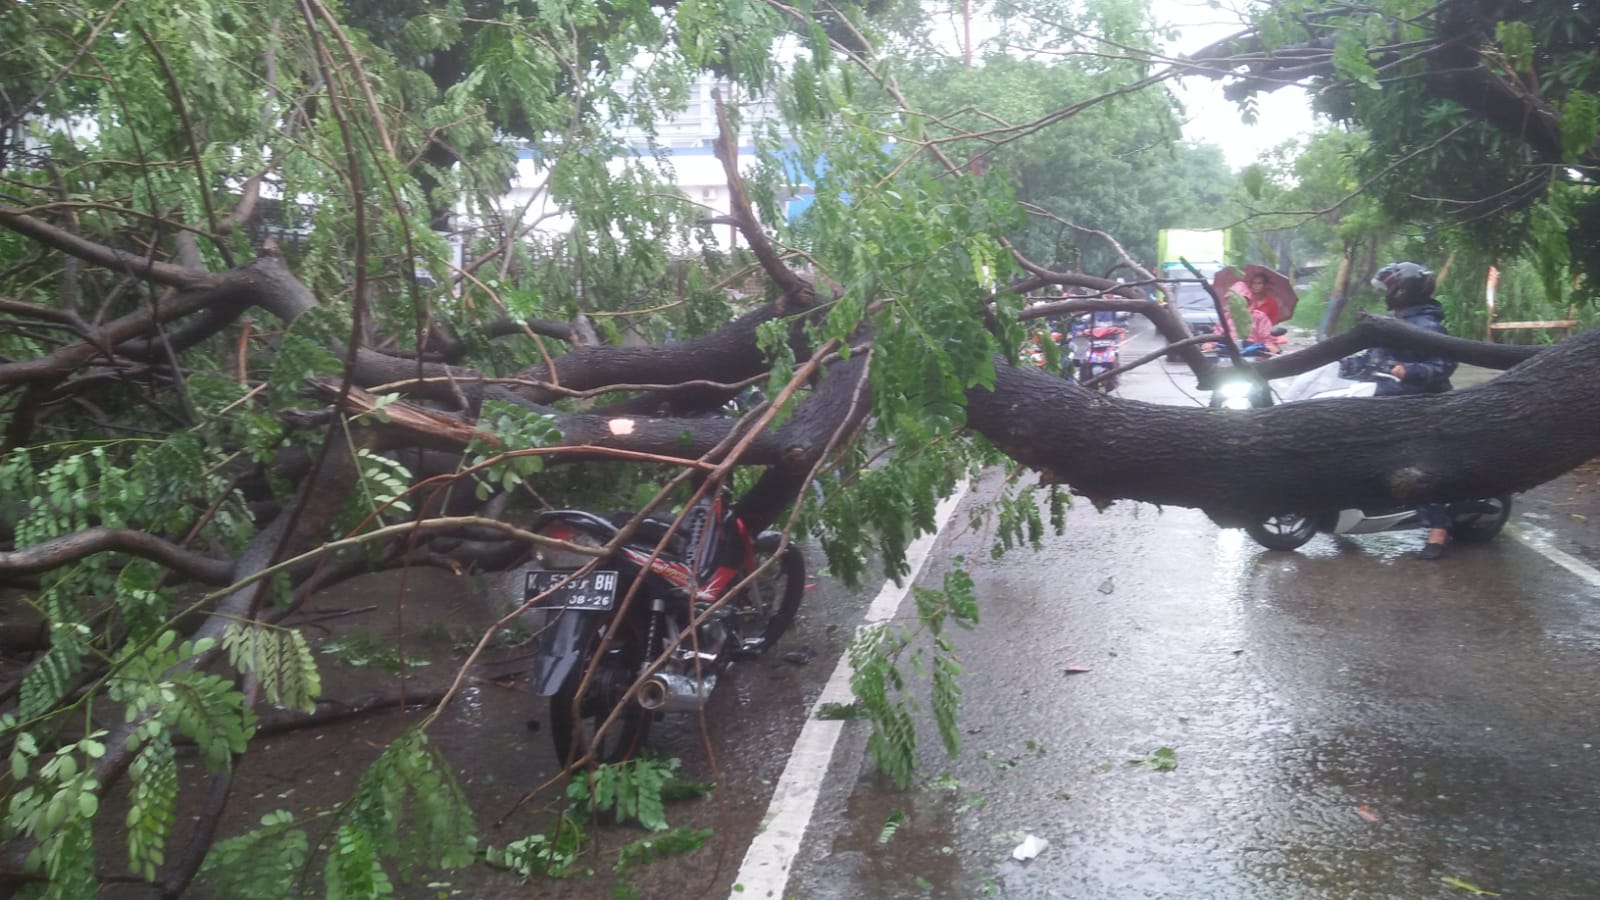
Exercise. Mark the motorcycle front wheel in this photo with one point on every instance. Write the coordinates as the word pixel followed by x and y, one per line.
pixel 575 721
pixel 769 605
pixel 1283 532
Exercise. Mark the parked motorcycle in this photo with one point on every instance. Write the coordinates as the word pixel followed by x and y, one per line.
pixel 1474 520
pixel 687 622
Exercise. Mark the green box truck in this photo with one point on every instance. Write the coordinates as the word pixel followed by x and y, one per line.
pixel 1208 251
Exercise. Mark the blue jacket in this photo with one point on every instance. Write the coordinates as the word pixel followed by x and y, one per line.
pixel 1426 372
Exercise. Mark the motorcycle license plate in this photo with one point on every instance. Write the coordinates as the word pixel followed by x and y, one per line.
pixel 594 592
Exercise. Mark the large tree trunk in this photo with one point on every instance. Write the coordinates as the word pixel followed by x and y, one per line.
pixel 1305 457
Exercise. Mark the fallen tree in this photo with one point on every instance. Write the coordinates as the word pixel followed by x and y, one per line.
pixel 211 411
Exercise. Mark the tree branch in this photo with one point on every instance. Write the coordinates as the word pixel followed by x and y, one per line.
pixel 72 547
pixel 106 257
pixel 798 293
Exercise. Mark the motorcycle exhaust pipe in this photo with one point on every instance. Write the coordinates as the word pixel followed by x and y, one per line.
pixel 670 692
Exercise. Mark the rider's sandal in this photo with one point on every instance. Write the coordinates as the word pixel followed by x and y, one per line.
pixel 1433 550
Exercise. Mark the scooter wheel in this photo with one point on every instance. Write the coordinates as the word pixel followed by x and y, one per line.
pixel 1480 520
pixel 1283 532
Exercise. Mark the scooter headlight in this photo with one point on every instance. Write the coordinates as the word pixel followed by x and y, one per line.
pixel 1235 394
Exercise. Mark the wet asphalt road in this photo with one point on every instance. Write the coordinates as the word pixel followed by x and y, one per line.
pixel 1345 721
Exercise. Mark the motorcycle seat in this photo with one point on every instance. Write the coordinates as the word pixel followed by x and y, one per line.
pixel 651 531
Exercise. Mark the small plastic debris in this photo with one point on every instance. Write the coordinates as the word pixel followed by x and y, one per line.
pixel 1074 670
pixel 1030 847
pixel 1108 586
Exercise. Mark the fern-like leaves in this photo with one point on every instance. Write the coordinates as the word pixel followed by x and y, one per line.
pixel 633 791
pixel 263 864
pixel 203 707
pixel 893 743
pixel 56 811
pixel 150 805
pixel 280 659
pixel 878 655
pixel 408 808
pixel 384 483
pixel 51 677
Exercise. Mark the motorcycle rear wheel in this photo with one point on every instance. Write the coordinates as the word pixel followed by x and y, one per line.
pixel 1484 521
pixel 769 605
pixel 573 725
pixel 1289 531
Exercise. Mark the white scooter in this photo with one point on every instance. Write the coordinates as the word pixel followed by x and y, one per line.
pixel 1475 520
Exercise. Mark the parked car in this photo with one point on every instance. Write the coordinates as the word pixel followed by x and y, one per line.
pixel 1195 305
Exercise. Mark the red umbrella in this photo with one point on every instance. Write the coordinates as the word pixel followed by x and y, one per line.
pixel 1280 297
pixel 1225 279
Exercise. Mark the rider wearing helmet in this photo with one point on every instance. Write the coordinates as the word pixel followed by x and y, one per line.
pixel 1408 291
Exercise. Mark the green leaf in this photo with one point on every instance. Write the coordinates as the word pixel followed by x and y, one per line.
pixel 1164 759
pixel 1350 61
pixel 840 711
pixel 890 826
pixel 1580 124
pixel 553 855
pixel 674 842
pixel 262 864
pixel 407 811
pixel 154 774
pixel 1516 39
pixel 635 790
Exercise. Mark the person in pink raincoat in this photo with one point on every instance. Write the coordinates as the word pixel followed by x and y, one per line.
pixel 1255 295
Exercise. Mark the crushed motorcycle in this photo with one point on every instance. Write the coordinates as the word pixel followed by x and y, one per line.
pixel 647 629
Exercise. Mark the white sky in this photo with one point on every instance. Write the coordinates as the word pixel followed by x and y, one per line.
pixel 1283 114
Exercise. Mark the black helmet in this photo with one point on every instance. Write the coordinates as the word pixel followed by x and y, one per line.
pixel 1404 284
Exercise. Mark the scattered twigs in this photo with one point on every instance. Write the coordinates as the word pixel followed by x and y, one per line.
pixel 332 712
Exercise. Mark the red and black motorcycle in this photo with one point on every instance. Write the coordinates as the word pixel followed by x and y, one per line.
pixel 611 658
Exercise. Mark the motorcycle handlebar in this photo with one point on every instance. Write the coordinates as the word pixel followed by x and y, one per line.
pixel 1355 368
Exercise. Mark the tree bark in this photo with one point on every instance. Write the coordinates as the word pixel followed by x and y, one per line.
pixel 1308 457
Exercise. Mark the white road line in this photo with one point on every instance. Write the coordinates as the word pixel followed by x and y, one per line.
pixel 1538 539
pixel 765 871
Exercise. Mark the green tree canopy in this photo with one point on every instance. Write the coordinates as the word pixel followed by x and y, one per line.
pixel 1481 117
pixel 1116 166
